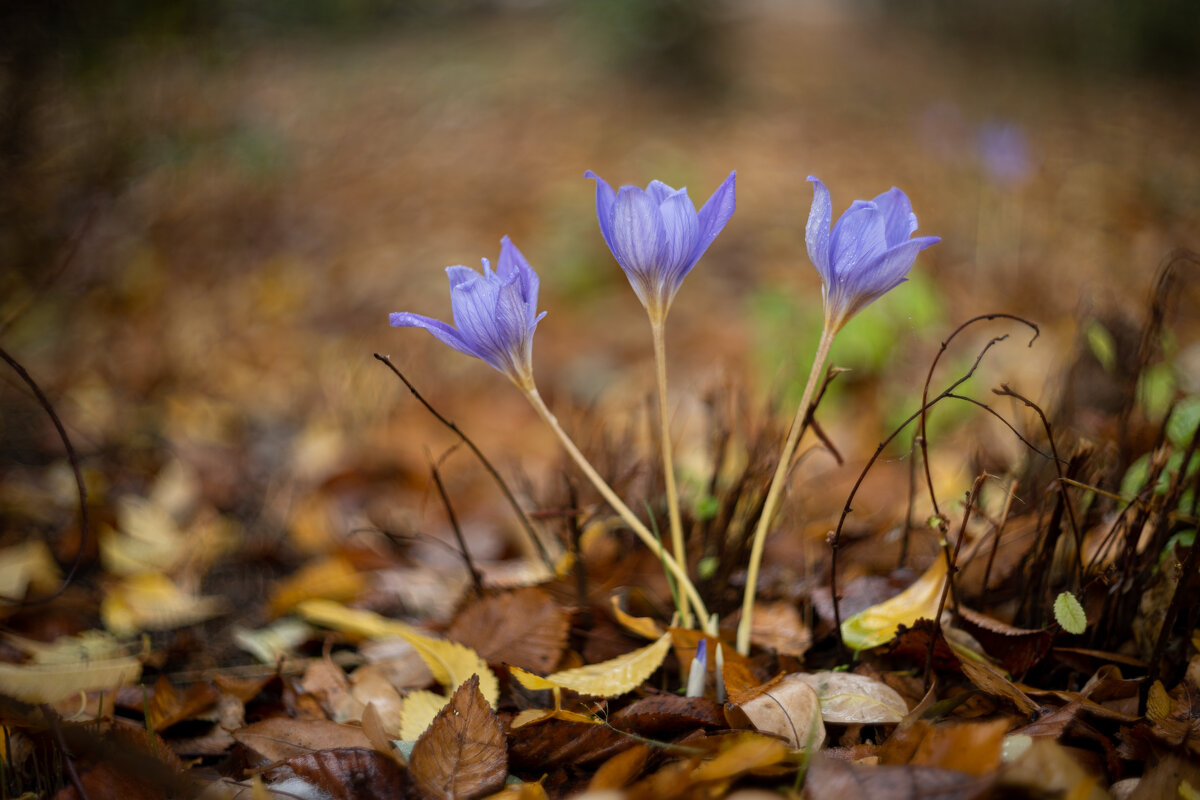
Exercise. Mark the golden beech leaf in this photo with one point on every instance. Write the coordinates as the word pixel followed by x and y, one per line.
pixel 464 754
pixel 530 716
pixel 418 711
pixel 451 663
pixel 877 625
pixel 150 601
pixel 617 675
pixel 332 578
pixel 645 627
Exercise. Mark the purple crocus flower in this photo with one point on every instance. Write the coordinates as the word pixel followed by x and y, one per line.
pixel 867 254
pixel 495 314
pixel 656 235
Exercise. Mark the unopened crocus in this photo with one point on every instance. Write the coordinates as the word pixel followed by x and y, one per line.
pixel 495 314
pixel 868 252
pixel 657 235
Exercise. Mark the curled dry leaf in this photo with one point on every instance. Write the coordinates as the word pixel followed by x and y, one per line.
pixel 463 754
pixel 849 699
pixel 788 708
pixel 524 627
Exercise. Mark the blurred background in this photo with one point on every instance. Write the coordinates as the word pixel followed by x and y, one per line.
pixel 211 206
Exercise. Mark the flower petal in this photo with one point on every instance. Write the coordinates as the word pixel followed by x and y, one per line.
pixel 680 229
pixel 659 191
pixel 857 239
pixel 605 200
pixel 637 232
pixel 899 219
pixel 816 233
pixel 443 332
pixel 716 212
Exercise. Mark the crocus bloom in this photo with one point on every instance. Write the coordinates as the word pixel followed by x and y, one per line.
pixel 495 314
pixel 656 235
pixel 867 254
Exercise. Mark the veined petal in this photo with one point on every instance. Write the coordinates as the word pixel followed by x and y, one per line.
pixel 637 231
pixel 606 199
pixel 816 233
pixel 716 212
pixel 899 219
pixel 857 239
pixel 659 191
pixel 443 332
pixel 680 229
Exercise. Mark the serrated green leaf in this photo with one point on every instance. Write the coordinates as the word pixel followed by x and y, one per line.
pixel 1069 613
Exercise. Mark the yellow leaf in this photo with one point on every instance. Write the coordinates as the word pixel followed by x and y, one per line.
pixel 850 699
pixel 617 675
pixel 329 579
pixel 645 627
pixel 418 711
pixel 452 664
pixel 150 601
pixel 49 683
pixel 26 565
pixel 877 625
pixel 529 680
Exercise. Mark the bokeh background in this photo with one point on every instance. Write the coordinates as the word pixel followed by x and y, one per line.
pixel 210 208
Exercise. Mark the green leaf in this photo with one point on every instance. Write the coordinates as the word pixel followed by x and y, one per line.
pixel 1181 427
pixel 1069 613
pixel 1101 343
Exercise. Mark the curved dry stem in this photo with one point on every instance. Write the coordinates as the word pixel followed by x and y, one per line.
pixel 775 492
pixel 635 524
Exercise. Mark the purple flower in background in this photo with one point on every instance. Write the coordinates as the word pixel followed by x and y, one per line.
pixel 657 236
pixel 1004 150
pixel 495 314
pixel 867 254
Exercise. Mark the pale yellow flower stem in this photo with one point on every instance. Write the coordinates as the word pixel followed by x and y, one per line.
pixel 660 368
pixel 640 530
pixel 775 492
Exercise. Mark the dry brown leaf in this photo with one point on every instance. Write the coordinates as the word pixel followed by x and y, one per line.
pixel 779 627
pixel 523 627
pixel 840 780
pixel 788 708
pixel 971 747
pixel 379 736
pixel 168 706
pixel 850 699
pixel 464 753
pixel 371 686
pixel 347 773
pixel 281 738
pixel 620 770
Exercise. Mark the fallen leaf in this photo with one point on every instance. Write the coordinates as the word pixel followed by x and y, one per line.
pixel 450 662
pixel 741 753
pixel 1045 768
pixel 281 738
pixel 615 676
pixel 877 625
pixel 850 699
pixel 25 566
pixel 463 754
pixel 370 686
pixel 49 683
pixel 971 747
pixel 788 707
pixel 333 578
pixel 779 627
pixel 150 601
pixel 620 770
pixel 524 627
pixel 831 778
pixel 418 712
pixel 347 773
pixel 1017 649
pixel 168 706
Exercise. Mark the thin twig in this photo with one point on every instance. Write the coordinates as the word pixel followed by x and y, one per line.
pixel 835 538
pixel 476 580
pixel 512 501
pixel 84 526
pixel 1006 391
